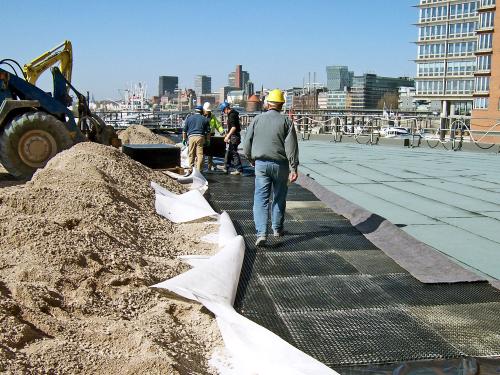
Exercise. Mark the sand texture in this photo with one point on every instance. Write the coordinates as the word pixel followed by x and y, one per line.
pixel 138 134
pixel 80 244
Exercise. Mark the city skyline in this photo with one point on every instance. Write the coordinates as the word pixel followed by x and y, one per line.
pixel 115 49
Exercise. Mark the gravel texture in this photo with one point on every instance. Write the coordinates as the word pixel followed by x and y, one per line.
pixel 80 244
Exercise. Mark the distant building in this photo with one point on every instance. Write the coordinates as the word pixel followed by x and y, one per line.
pixel 323 100
pixel 236 96
pixel 249 88
pixel 239 78
pixel 224 91
pixel 245 78
pixel 368 89
pixel 447 41
pixel 407 101
pixel 231 79
pixel 202 84
pixel 337 99
pixel 338 77
pixel 212 98
pixel 254 104
pixel 167 85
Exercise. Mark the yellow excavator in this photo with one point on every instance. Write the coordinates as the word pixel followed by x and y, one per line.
pixel 35 125
pixel 62 54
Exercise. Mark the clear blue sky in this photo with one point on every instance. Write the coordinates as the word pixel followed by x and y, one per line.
pixel 116 42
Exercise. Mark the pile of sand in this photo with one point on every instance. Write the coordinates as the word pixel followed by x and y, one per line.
pixel 138 134
pixel 80 244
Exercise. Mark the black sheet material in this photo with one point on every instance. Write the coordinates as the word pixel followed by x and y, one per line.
pixel 331 293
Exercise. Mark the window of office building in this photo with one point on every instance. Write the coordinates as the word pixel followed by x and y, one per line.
pixel 485 3
pixel 431 50
pixel 463 10
pixel 484 63
pixel 430 69
pixel 434 13
pixel 486 20
pixel 432 32
pixel 481 103
pixel 430 87
pixel 458 30
pixel 461 67
pixel 484 42
pixel 482 84
pixel 459 86
pixel 461 48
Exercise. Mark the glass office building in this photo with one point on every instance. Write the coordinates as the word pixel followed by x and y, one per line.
pixel 367 90
pixel 202 85
pixel 446 47
pixel 338 77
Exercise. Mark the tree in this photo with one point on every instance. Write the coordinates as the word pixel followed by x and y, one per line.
pixel 390 100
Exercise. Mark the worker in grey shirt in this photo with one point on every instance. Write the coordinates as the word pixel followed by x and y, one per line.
pixel 271 146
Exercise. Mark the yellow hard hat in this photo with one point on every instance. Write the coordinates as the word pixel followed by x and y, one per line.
pixel 276 96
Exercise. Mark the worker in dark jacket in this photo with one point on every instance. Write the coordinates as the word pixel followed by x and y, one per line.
pixel 271 145
pixel 233 139
pixel 197 131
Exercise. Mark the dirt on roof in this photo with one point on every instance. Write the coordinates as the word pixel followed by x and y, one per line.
pixel 139 134
pixel 80 245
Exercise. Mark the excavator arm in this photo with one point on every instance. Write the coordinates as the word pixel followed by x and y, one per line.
pixel 63 54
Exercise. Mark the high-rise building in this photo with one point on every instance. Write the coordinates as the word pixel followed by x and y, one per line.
pixel 238 77
pixel 245 77
pixel 167 85
pixel 249 88
pixel 231 79
pixel 487 76
pixel 446 44
pixel 338 77
pixel 367 90
pixel 202 84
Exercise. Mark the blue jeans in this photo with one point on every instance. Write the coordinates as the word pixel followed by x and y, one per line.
pixel 270 174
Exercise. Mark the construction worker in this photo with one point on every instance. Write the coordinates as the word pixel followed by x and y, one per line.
pixel 197 131
pixel 215 125
pixel 271 146
pixel 233 139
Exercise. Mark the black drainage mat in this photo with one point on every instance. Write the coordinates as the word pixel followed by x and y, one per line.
pixel 409 291
pixel 365 336
pixel 247 215
pixel 297 227
pixel 302 263
pixel 225 205
pixel 327 293
pixel 472 328
pixel 301 242
pixel 253 297
pixel 372 262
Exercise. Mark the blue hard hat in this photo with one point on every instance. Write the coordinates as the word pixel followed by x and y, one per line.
pixel 223 106
pixel 198 108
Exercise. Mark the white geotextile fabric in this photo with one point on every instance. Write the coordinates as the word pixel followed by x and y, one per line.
pixel 183 208
pixel 196 179
pixel 213 282
pixel 184 155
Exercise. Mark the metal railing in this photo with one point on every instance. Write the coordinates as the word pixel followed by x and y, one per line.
pixel 365 128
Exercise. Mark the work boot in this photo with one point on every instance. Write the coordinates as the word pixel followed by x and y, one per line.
pixel 222 168
pixel 278 232
pixel 261 241
pixel 235 173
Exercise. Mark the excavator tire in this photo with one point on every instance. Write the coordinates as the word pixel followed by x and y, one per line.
pixel 30 140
